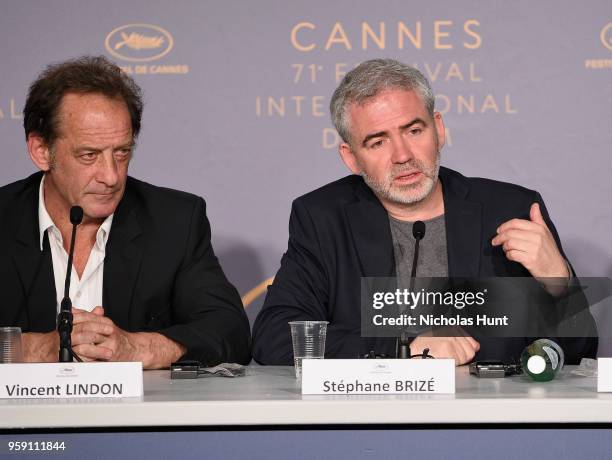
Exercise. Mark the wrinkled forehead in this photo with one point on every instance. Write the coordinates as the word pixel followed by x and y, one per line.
pixel 83 112
pixel 385 103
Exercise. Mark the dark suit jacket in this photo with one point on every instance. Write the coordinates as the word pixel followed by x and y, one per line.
pixel 160 271
pixel 340 233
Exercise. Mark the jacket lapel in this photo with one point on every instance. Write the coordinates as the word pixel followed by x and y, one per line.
pixel 34 267
pixel 463 226
pixel 369 224
pixel 122 263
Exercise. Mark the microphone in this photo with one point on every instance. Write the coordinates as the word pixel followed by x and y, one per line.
pixel 418 231
pixel 64 319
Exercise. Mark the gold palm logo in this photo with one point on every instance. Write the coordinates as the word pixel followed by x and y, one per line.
pixel 137 41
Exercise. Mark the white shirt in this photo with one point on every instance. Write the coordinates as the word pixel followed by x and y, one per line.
pixel 86 292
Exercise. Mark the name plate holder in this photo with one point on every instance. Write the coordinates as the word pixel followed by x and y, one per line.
pixel 71 380
pixel 378 376
pixel 604 375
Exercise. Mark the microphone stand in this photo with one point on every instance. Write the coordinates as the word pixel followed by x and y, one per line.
pixel 418 231
pixel 64 318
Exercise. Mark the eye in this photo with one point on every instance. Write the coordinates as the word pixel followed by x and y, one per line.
pixel 376 144
pixel 89 156
pixel 416 131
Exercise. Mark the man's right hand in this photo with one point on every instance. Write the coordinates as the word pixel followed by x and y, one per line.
pixel 461 349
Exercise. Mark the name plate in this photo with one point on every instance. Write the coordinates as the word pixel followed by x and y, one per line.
pixel 377 376
pixel 604 374
pixel 71 380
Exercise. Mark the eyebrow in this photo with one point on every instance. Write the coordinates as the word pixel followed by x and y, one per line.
pixel 402 128
pixel 127 145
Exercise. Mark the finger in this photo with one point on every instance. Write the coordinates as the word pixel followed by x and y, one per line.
pixel 93 352
pixel 77 350
pixel 524 235
pixel 95 327
pixel 85 316
pixel 417 346
pixel 78 316
pixel 535 214
pixel 518 224
pixel 468 350
pixel 449 348
pixel 520 245
pixel 473 343
pixel 97 310
pixel 80 338
pixel 461 352
pixel 459 356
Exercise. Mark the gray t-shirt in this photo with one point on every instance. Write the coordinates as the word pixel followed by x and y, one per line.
pixel 433 260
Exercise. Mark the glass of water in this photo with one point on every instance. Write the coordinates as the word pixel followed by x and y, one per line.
pixel 308 342
pixel 11 350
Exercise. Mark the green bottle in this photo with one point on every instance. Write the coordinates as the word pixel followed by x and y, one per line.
pixel 542 360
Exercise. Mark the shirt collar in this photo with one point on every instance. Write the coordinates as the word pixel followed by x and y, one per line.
pixel 44 219
pixel 46 223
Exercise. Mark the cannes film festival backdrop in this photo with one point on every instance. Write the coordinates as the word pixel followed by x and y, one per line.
pixel 237 94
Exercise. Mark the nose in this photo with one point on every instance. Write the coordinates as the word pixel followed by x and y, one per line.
pixel 107 169
pixel 402 151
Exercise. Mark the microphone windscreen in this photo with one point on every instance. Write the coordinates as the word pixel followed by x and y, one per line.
pixel 76 215
pixel 418 229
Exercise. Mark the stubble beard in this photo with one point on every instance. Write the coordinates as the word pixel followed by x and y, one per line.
pixel 409 194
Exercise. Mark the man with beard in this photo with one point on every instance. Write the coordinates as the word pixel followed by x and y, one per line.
pixel 146 284
pixel 361 226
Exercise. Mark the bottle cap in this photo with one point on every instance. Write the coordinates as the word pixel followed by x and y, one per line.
pixel 536 364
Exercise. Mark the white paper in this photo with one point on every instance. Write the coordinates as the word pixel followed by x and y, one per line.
pixel 70 380
pixel 604 374
pixel 378 376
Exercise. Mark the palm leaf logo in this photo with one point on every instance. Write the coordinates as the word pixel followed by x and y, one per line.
pixel 137 41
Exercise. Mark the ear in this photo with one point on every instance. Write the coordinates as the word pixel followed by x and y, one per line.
pixel 348 157
pixel 440 130
pixel 39 152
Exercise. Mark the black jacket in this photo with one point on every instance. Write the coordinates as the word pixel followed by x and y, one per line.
pixel 340 233
pixel 160 271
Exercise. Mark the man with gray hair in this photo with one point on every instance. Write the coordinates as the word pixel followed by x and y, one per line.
pixel 361 226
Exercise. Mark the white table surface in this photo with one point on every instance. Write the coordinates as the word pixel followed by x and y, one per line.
pixel 271 396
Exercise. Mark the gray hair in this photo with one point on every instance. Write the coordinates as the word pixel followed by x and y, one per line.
pixel 370 78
